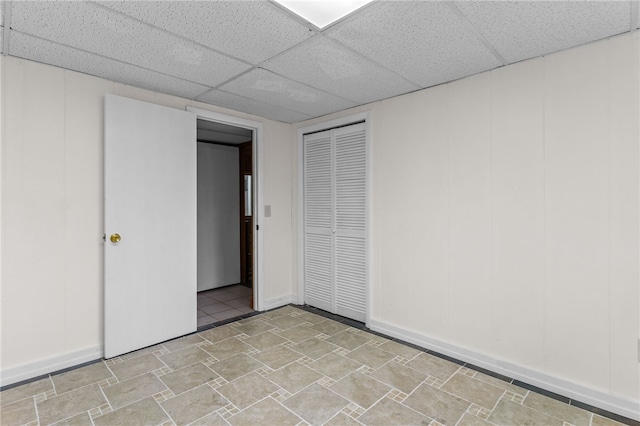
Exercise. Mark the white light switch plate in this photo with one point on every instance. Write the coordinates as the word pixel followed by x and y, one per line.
pixel 267 211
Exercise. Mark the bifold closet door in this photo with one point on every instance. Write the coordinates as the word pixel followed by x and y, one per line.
pixel 335 220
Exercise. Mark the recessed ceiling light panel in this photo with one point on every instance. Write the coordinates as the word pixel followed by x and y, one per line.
pixel 322 12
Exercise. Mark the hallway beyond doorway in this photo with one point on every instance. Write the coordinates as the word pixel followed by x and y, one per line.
pixel 223 303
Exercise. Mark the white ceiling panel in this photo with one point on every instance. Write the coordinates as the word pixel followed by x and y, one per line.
pixel 251 30
pixel 105 32
pixel 269 88
pixel 526 29
pixel 238 103
pixel 324 64
pixel 28 47
pixel 423 41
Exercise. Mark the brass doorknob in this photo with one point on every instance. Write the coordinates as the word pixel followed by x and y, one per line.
pixel 115 238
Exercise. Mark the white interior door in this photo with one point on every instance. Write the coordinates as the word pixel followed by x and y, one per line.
pixel 150 202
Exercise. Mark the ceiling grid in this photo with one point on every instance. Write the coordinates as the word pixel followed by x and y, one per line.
pixel 259 58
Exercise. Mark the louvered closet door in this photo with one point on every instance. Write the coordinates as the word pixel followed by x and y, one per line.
pixel 335 220
pixel 350 204
pixel 318 207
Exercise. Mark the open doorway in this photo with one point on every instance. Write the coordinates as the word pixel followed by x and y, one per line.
pixel 225 221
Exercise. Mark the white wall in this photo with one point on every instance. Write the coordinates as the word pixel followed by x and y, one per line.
pixel 52 214
pixel 505 220
pixel 218 216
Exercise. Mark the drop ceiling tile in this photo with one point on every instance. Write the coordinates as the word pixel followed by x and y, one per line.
pixel 326 65
pixel 238 103
pixel 269 88
pixel 35 49
pixel 424 41
pixel 526 29
pixel 98 30
pixel 250 30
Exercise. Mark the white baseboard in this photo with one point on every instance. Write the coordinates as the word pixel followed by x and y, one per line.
pixel 17 374
pixel 623 407
pixel 277 302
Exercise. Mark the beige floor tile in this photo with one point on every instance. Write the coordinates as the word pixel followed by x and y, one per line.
pixel 265 412
pixel 603 421
pixel 227 314
pixel 311 318
pixel 286 321
pixel 472 390
pixel 335 366
pixel 294 377
pixel 510 413
pixel 348 339
pixel 361 389
pixel 438 405
pixel 145 412
pixel 247 390
pixel 188 378
pixel 298 334
pixel 193 405
pixel 329 327
pixel 433 366
pixel 19 413
pixel 400 349
pixel 254 327
pixel 184 357
pixel 314 348
pixel 80 377
pixel 277 357
pixel 388 412
pixel 371 356
pixel 216 334
pixel 82 419
pixel 558 409
pixel 132 390
pixel 227 348
pixel 285 310
pixel 136 366
pixel 236 366
pixel 342 419
pixel 28 390
pixel 471 420
pixel 398 376
pixel 265 341
pixel 69 404
pixel 316 404
pixel 140 352
pixel 183 342
pixel 212 419
pixel 501 384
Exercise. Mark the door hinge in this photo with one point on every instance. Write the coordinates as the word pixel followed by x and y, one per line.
pixel 257 227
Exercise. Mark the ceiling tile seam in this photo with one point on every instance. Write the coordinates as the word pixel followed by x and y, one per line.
pixel 294 16
pixel 482 39
pixel 6 29
pixel 287 50
pixel 633 22
pixel 374 62
pixel 310 86
pixel 229 80
pixel 259 102
pixel 105 57
pixel 170 33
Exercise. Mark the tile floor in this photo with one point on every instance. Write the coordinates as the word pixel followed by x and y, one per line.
pixel 223 303
pixel 284 367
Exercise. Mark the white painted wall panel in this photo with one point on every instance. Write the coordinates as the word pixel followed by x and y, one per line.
pixel 624 213
pixel 517 193
pixel 218 216
pixel 470 285
pixel 578 195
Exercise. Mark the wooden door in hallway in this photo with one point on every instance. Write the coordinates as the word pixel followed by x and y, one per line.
pixel 246 214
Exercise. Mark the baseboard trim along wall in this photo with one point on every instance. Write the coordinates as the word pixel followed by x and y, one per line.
pixel 623 407
pixel 49 365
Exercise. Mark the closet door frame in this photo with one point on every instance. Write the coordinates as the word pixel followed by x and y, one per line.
pixel 328 125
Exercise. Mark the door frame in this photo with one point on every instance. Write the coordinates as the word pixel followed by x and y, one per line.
pixel 319 127
pixel 257 146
